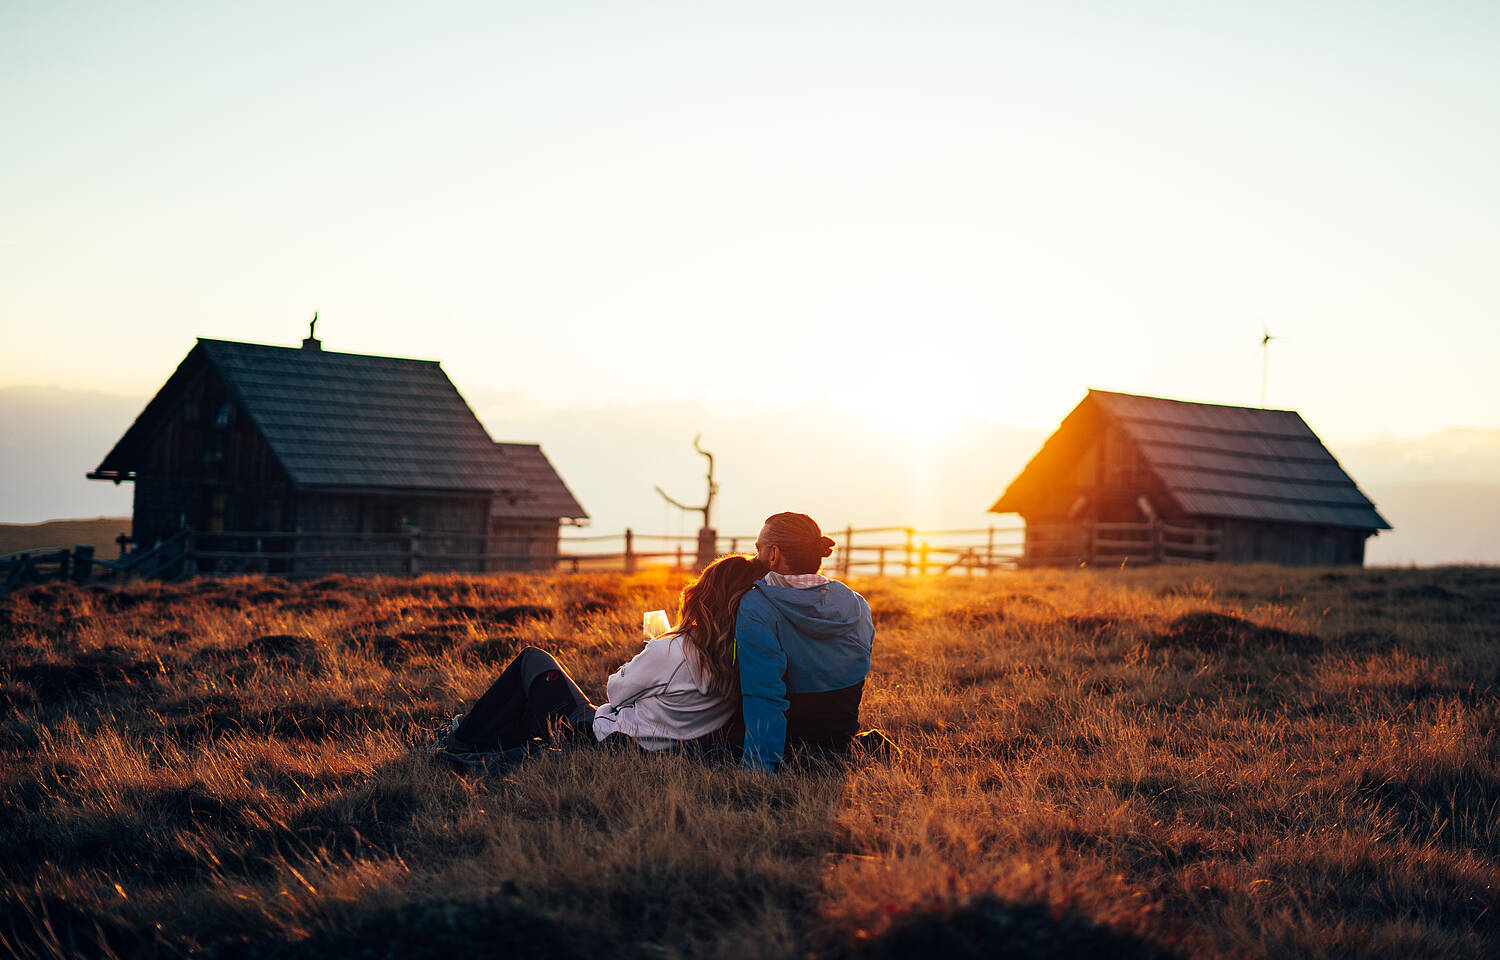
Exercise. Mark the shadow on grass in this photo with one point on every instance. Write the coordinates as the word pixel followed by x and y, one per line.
pixel 189 838
pixel 991 927
pixel 492 923
pixel 202 718
pixel 496 922
pixel 186 836
pixel 1455 805
pixel 47 925
pixel 1208 630
pixel 88 674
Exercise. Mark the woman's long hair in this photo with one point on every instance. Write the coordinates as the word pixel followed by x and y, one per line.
pixel 706 614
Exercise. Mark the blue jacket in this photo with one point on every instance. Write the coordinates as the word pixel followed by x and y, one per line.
pixel 803 650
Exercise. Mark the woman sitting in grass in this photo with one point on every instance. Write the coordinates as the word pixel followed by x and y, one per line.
pixel 683 686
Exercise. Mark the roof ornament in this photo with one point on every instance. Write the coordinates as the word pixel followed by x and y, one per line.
pixel 312 342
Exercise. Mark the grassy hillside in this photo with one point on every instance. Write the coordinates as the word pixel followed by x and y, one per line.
pixel 1241 762
pixel 101 532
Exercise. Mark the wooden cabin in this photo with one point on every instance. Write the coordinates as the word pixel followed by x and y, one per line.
pixel 363 463
pixel 1139 479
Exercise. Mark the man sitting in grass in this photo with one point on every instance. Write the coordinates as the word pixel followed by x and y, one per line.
pixel 803 643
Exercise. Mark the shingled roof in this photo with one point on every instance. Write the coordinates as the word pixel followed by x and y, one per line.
pixel 1213 461
pixel 547 497
pixel 343 420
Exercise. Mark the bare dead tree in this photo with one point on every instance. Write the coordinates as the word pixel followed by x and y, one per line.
pixel 707 536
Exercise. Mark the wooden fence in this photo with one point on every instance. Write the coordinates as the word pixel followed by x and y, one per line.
pixel 1103 544
pixel 315 552
pixel 866 551
pixel 908 551
pixel 55 563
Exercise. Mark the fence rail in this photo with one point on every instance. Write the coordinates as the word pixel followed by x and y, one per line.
pixel 868 551
pixel 40 566
pixel 873 551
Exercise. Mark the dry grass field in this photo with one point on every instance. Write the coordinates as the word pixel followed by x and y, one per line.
pixel 1236 762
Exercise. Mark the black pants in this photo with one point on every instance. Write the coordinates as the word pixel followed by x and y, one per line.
pixel 533 698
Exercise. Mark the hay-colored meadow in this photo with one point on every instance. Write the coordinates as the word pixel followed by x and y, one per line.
pixel 1236 762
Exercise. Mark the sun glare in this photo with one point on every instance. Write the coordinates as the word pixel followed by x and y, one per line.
pixel 915 419
pixel 916 398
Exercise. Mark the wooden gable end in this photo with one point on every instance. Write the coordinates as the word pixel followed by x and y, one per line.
pixel 206 434
pixel 193 429
pixel 1089 469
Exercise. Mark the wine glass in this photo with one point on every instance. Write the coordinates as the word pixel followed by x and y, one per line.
pixel 654 624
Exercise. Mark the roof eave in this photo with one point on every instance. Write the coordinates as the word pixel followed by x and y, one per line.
pixel 124 448
pixel 1006 504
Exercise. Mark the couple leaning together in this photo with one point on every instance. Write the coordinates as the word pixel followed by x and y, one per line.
pixel 768 655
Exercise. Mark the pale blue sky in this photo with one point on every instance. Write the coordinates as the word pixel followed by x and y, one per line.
pixel 900 209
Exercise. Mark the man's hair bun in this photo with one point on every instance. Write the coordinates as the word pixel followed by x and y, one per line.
pixel 799 538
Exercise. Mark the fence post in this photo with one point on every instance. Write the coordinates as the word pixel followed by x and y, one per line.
pixel 925 548
pixel 708 548
pixel 629 550
pixel 1088 542
pixel 881 567
pixel 848 549
pixel 734 544
pixel 910 533
pixel 17 573
pixel 989 552
pixel 679 556
pixel 413 562
pixel 1158 545
pixel 83 563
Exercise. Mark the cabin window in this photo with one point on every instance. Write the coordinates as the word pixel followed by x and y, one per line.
pixel 396 518
pixel 225 416
pixel 213 454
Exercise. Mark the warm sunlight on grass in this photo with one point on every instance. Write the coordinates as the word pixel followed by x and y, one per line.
pixel 1217 762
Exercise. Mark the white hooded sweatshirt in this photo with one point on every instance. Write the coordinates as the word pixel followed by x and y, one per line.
pixel 661 697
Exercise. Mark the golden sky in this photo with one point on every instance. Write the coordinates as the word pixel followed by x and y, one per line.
pixel 909 213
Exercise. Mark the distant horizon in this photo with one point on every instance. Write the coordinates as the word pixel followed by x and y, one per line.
pixel 529 407
pixel 612 456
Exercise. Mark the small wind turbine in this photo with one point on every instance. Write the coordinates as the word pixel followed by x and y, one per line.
pixel 1265 360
